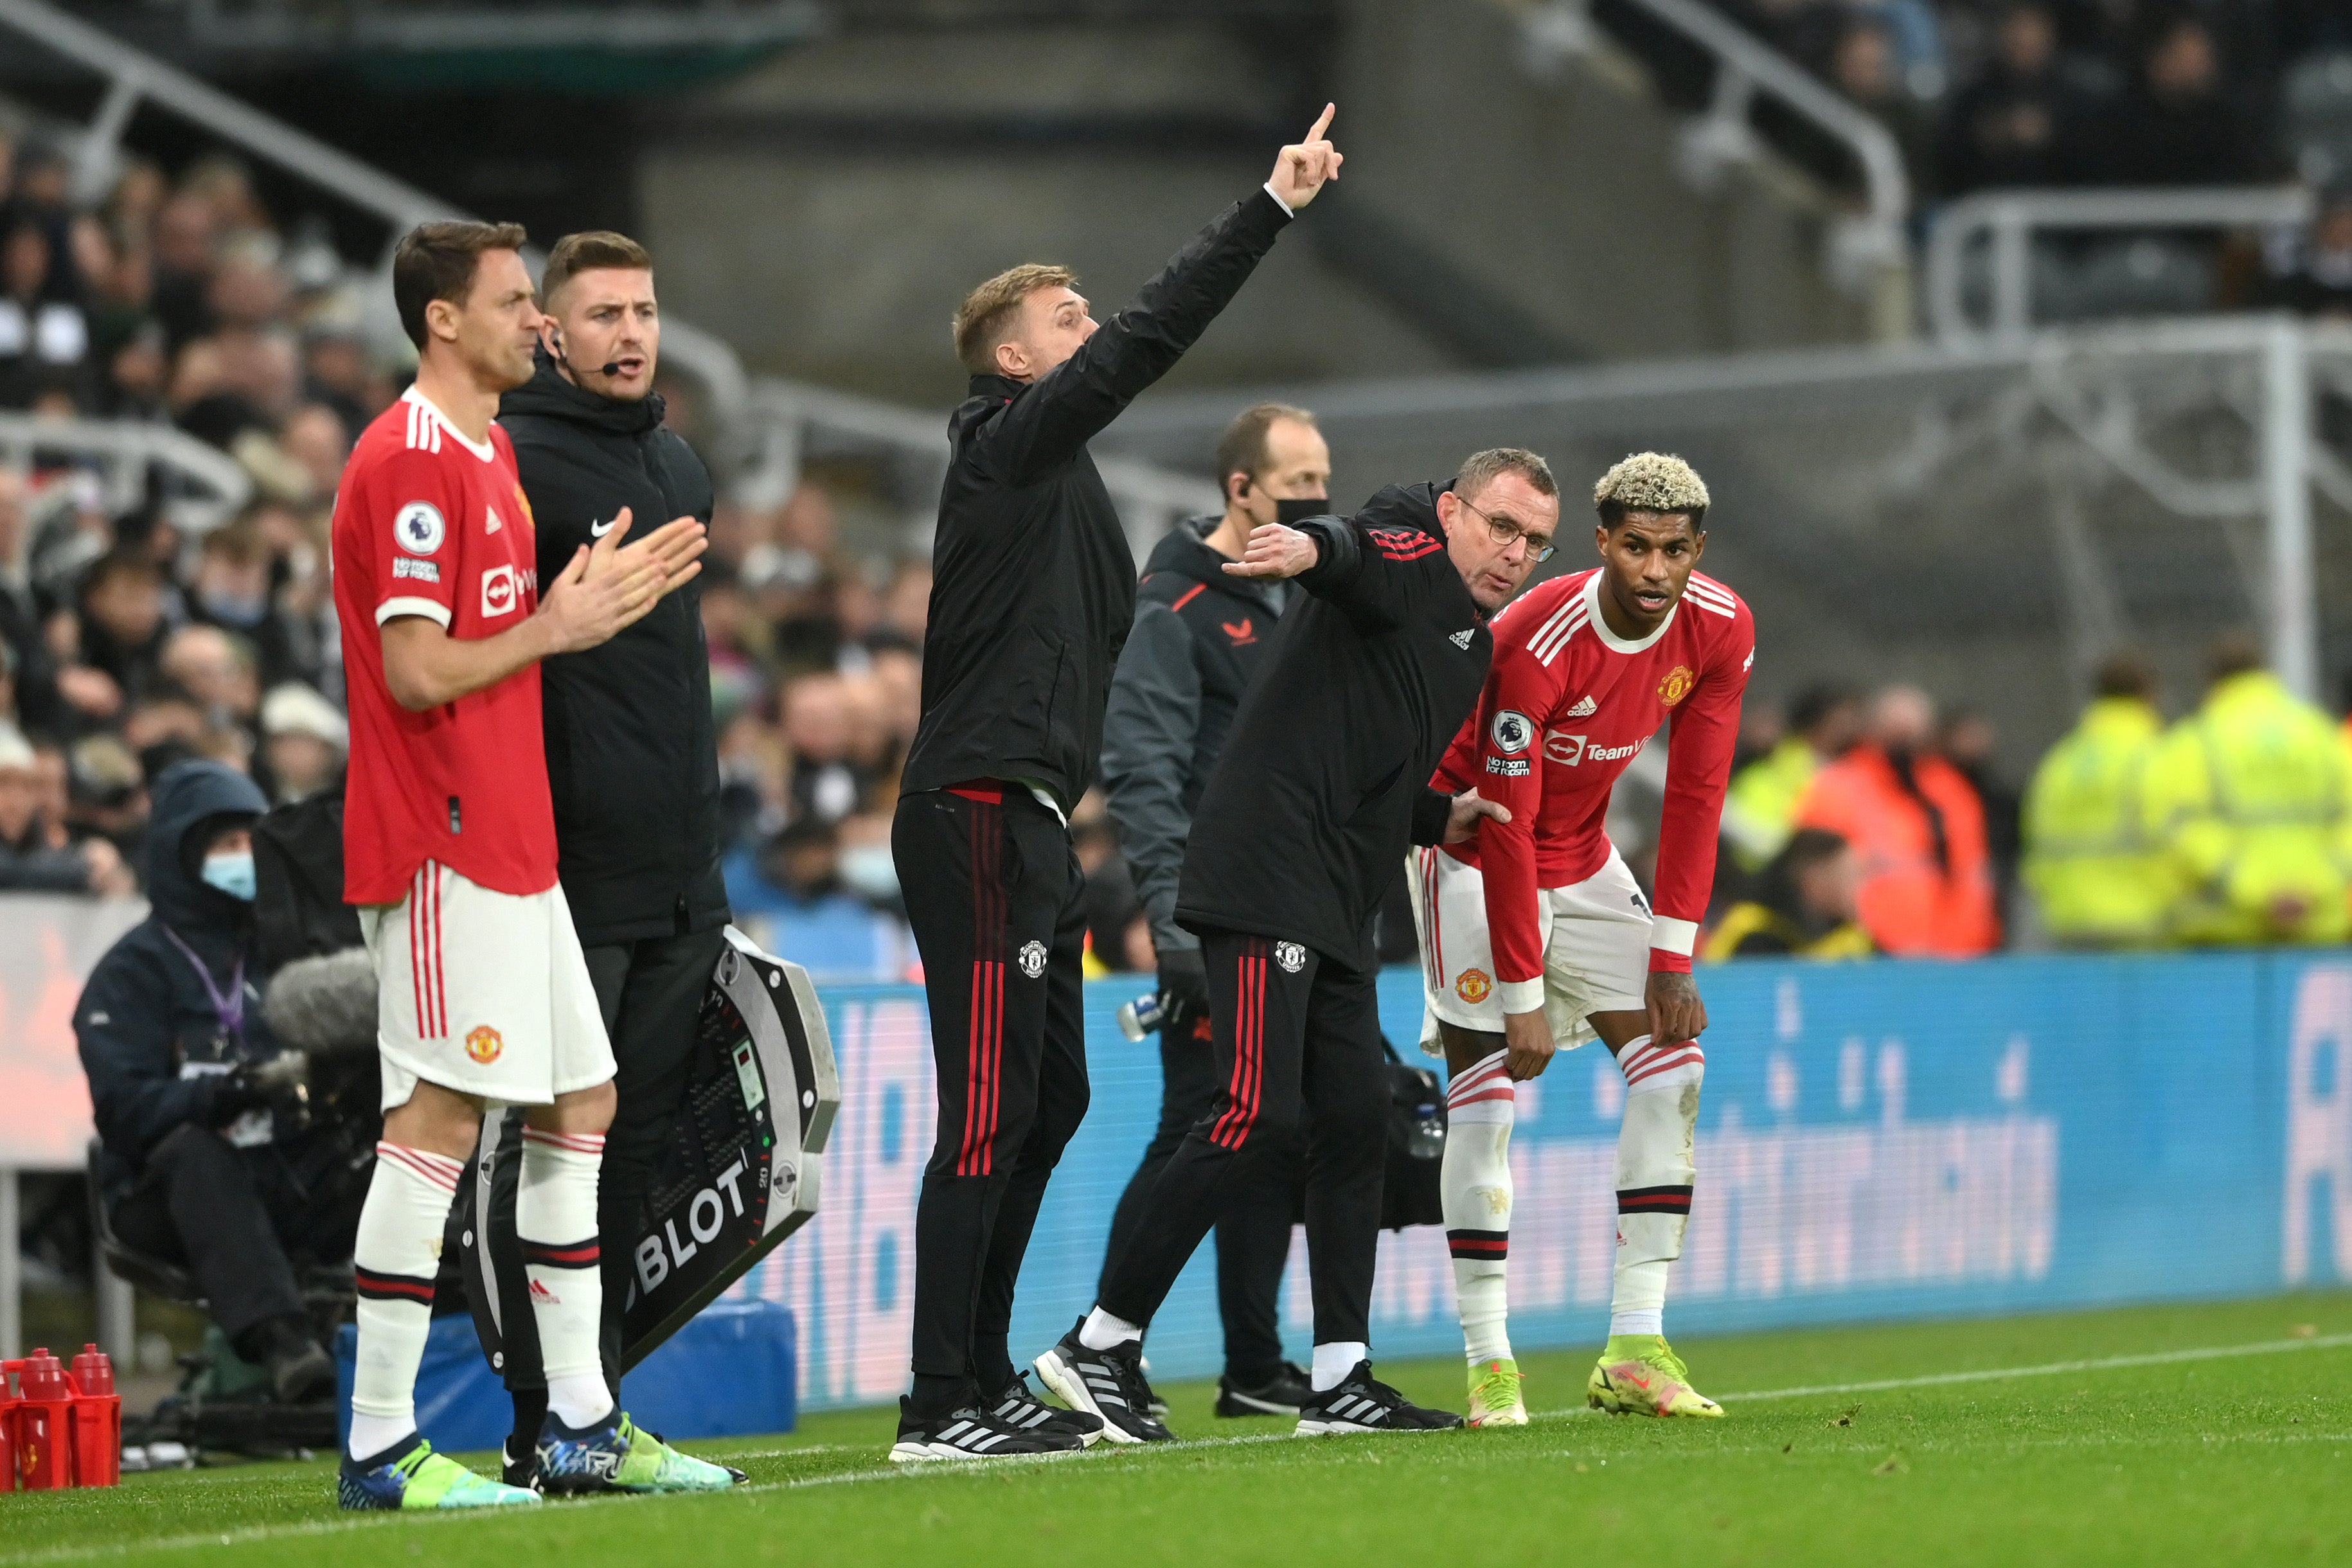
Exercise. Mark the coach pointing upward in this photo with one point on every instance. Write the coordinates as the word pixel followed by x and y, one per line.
pixel 1032 592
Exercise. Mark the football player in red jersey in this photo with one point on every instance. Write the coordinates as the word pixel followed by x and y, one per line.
pixel 450 854
pixel 1535 934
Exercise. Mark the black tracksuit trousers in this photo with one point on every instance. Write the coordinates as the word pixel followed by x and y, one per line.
pixel 1298 1046
pixel 238 1220
pixel 650 993
pixel 996 900
pixel 1252 1231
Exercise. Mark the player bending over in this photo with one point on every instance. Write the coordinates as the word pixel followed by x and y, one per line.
pixel 449 853
pixel 1534 932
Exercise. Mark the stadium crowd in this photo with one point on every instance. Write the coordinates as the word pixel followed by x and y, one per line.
pixel 1856 821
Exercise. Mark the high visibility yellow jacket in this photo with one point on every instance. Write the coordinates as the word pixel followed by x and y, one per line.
pixel 2250 796
pixel 1760 809
pixel 1751 930
pixel 2100 877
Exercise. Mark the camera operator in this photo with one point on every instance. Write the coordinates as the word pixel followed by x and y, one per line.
pixel 203 1165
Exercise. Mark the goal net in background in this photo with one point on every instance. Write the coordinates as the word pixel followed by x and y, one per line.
pixel 1987 522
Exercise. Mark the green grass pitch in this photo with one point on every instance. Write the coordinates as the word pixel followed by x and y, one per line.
pixel 2152 1434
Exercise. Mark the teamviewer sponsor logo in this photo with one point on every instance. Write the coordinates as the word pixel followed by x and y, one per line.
pixel 502 590
pixel 1569 750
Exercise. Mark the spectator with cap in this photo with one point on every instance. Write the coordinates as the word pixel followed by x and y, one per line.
pixel 304 743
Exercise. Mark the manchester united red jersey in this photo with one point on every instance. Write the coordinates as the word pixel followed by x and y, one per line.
pixel 1568 705
pixel 429 523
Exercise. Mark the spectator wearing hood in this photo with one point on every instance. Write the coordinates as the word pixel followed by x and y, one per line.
pixel 198 1166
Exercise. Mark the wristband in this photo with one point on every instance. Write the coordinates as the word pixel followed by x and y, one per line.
pixel 1665 963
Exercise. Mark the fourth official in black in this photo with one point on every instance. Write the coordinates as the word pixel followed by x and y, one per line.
pixel 632 770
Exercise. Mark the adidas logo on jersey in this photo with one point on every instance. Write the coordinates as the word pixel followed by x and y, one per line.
pixel 1461 639
pixel 1584 710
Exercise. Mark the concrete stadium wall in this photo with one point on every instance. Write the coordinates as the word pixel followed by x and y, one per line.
pixel 1885 1140
pixel 829 212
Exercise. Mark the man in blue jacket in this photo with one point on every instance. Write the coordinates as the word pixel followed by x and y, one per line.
pixel 199 1168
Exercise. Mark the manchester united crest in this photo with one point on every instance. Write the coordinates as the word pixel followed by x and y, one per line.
pixel 1676 685
pixel 1471 985
pixel 1033 959
pixel 1291 955
pixel 484 1044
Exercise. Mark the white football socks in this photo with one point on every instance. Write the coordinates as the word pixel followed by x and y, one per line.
pixel 555 1220
pixel 397 1254
pixel 1655 1175
pixel 1334 1361
pixel 1474 1186
pixel 1101 1331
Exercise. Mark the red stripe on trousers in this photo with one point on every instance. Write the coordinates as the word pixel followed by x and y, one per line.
pixel 984 1040
pixel 1249 1056
pixel 434 994
pixel 416 951
pixel 1238 1085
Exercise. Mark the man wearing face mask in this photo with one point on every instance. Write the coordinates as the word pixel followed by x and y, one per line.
pixel 1198 636
pixel 631 768
pixel 199 1166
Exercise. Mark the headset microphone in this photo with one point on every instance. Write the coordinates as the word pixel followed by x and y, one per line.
pixel 555 335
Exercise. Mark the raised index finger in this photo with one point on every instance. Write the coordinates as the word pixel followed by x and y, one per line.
pixel 1323 123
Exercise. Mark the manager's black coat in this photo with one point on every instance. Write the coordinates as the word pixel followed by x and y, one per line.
pixel 1034 584
pixel 632 761
pixel 1324 781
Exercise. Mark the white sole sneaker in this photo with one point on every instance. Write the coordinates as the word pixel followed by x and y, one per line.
pixel 1063 1380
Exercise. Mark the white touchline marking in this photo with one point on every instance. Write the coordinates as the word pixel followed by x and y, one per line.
pixel 2055 1368
pixel 940 1467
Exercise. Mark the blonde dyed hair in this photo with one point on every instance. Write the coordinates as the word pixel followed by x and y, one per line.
pixel 1651 481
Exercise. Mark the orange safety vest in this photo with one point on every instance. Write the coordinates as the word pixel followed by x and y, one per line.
pixel 1909 903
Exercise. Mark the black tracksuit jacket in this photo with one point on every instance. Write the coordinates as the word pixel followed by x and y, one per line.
pixel 1199 639
pixel 632 761
pixel 1034 584
pixel 1324 782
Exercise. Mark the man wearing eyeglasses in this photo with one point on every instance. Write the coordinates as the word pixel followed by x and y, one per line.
pixel 1322 786
pixel 1535 934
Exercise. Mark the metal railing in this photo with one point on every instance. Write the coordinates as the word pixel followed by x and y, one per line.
pixel 2009 221
pixel 210 485
pixel 760 428
pixel 375 24
pixel 1723 137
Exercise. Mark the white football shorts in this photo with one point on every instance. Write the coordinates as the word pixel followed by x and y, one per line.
pixel 1596 945
pixel 483 993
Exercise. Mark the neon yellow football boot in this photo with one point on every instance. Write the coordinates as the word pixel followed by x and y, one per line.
pixel 1495 1397
pixel 1638 1375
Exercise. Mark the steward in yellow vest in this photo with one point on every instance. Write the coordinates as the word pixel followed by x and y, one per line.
pixel 2099 875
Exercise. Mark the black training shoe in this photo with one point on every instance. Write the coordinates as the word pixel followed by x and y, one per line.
pixel 1016 1405
pixel 972 1433
pixel 1363 1404
pixel 1108 1384
pixel 519 1472
pixel 1281 1394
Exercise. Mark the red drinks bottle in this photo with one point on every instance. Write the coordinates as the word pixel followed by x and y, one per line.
pixel 97 1420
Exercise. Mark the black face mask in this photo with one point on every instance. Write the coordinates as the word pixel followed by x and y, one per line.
pixel 1290 512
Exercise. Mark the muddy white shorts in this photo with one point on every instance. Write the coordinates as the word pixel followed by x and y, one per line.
pixel 1596 947
pixel 483 992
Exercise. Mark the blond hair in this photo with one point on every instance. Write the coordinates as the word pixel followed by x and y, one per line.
pixel 1651 481
pixel 983 321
